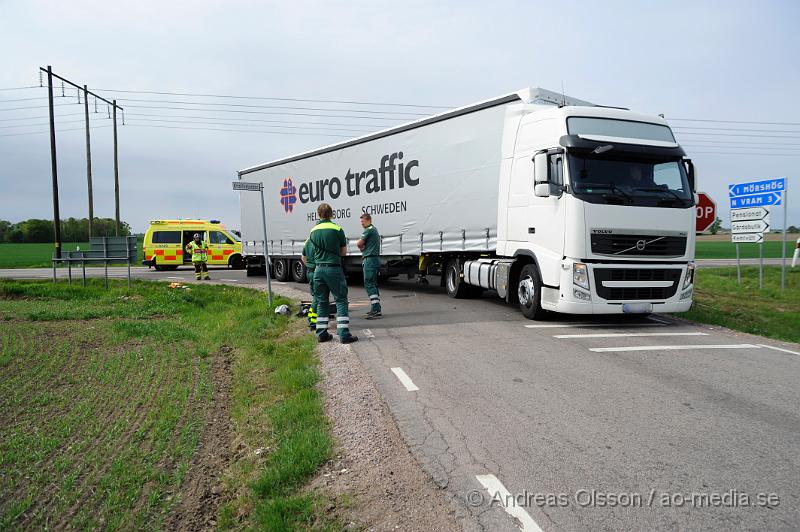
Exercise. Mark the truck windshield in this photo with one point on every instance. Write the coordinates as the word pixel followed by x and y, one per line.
pixel 630 182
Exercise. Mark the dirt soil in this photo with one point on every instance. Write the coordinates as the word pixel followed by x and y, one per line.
pixel 373 470
pixel 201 490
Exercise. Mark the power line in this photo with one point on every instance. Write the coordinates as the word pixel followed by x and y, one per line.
pixel 742 135
pixel 60 131
pixel 26 99
pixel 243 131
pixel 251 120
pixel 184 102
pixel 20 88
pixel 681 128
pixel 746 153
pixel 136 120
pixel 46 123
pixel 38 107
pixel 351 102
pixel 262 112
pixel 37 117
pixel 784 148
pixel 733 122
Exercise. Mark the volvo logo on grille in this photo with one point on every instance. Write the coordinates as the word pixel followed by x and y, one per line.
pixel 640 244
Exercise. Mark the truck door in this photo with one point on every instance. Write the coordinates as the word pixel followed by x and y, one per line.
pixel 548 217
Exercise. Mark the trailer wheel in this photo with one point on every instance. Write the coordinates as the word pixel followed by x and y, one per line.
pixel 299 272
pixel 529 293
pixel 281 269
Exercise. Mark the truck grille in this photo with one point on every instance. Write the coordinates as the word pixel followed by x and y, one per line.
pixel 638 275
pixel 638 245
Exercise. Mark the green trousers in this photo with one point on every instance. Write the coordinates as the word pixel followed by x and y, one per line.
pixel 371 267
pixel 331 280
pixel 312 312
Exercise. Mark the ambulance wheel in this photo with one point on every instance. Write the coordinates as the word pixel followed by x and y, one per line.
pixel 529 293
pixel 299 272
pixel 236 262
pixel 280 269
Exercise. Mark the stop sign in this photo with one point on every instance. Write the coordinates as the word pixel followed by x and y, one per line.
pixel 706 212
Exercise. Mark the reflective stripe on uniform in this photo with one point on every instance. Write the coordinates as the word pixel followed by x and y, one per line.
pixel 343 322
pixel 326 225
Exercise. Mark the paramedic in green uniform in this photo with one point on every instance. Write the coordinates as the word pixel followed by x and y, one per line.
pixel 330 245
pixel 308 260
pixel 370 246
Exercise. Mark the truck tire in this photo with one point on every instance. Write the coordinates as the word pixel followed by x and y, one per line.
pixel 529 293
pixel 280 268
pixel 299 273
pixel 454 283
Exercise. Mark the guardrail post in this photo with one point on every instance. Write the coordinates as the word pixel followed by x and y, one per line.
pixel 69 271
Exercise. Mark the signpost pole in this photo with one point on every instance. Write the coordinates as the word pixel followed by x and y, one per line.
pixel 738 267
pixel 761 265
pixel 783 247
pixel 266 254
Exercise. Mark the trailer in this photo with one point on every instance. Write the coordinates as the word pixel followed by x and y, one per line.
pixel 552 202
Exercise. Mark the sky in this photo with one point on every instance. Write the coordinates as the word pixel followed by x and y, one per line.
pixel 720 60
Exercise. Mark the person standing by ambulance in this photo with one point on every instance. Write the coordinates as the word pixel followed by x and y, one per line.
pixel 199 250
pixel 370 246
pixel 330 245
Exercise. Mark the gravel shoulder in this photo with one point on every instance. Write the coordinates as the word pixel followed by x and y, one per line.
pixel 374 477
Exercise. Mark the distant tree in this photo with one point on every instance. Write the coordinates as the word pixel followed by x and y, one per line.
pixel 37 230
pixel 715 226
pixel 5 229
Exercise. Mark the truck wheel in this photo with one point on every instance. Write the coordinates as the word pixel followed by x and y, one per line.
pixel 281 269
pixel 456 287
pixel 299 271
pixel 529 293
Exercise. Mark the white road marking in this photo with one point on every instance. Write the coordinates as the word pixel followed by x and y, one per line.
pixel 627 335
pixel 671 347
pixel 779 349
pixel 567 325
pixel 368 333
pixel 659 320
pixel 405 379
pixel 174 277
pixel 230 280
pixel 499 493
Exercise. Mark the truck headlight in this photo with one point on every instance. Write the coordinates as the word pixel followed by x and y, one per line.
pixel 580 275
pixel 689 275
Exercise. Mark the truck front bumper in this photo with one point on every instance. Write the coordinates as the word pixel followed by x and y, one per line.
pixel 628 288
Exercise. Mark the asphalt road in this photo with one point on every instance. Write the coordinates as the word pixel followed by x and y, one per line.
pixel 580 423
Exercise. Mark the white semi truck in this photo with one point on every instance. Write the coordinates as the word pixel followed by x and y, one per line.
pixel 554 203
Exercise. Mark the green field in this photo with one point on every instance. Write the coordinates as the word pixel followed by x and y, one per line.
pixel 39 255
pixel 769 312
pixel 116 405
pixel 721 249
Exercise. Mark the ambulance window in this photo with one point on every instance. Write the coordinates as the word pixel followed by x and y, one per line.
pixel 166 237
pixel 218 237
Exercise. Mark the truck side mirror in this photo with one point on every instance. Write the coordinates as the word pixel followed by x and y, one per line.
pixel 690 174
pixel 541 175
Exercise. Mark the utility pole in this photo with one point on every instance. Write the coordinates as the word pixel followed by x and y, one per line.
pixel 116 171
pixel 54 164
pixel 88 160
pixel 86 93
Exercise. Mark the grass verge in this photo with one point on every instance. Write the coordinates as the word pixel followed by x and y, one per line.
pixel 39 255
pixel 769 312
pixel 104 400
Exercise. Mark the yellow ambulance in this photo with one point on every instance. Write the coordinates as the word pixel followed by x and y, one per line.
pixel 165 243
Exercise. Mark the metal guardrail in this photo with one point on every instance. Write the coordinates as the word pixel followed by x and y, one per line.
pixel 106 250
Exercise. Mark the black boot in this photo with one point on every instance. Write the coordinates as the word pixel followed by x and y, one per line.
pixel 324 337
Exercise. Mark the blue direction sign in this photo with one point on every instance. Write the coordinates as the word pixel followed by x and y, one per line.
pixel 757 187
pixel 756 200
